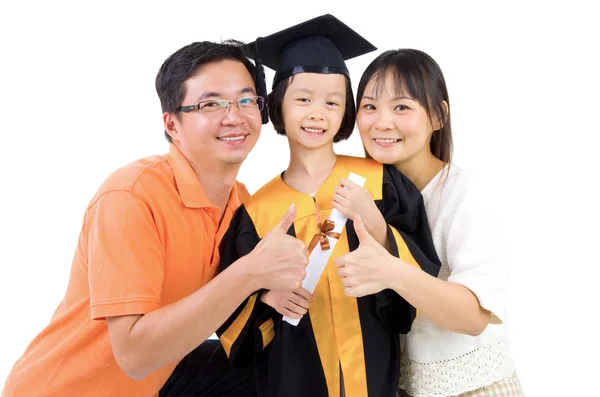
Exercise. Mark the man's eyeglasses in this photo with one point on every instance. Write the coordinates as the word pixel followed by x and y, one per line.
pixel 248 105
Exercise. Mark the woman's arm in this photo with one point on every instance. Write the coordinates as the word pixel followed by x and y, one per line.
pixel 371 269
pixel 449 305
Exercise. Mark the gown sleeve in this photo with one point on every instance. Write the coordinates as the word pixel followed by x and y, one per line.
pixel 403 208
pixel 250 328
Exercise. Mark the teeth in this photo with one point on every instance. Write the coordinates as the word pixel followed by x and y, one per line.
pixel 386 140
pixel 313 130
pixel 232 138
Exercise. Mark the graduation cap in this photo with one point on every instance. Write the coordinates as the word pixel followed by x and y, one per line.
pixel 319 45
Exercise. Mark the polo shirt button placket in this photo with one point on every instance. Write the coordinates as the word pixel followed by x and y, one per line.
pixel 214 216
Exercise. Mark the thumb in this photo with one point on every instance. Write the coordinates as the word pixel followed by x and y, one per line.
pixel 359 227
pixel 288 219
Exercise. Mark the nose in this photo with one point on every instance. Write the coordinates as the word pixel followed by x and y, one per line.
pixel 233 116
pixel 315 115
pixel 384 121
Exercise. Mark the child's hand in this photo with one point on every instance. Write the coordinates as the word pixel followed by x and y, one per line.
pixel 292 304
pixel 352 200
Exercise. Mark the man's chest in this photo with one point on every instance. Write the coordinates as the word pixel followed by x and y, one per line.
pixel 191 250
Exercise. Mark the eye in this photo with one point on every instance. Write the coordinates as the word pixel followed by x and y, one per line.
pixel 368 106
pixel 247 102
pixel 209 104
pixel 331 103
pixel 401 107
pixel 303 100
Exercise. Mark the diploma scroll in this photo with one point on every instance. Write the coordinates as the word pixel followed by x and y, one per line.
pixel 318 258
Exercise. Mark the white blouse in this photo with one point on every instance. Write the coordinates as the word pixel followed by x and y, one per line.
pixel 470 244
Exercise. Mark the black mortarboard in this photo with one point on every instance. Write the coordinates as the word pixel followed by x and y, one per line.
pixel 319 45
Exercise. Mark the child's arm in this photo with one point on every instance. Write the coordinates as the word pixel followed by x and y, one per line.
pixel 292 304
pixel 352 200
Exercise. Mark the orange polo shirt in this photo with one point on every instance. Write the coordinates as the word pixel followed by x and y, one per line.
pixel 150 237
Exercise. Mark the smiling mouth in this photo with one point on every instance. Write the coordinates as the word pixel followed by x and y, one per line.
pixel 232 138
pixel 313 130
pixel 388 141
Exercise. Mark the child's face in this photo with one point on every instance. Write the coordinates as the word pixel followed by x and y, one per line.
pixel 313 108
pixel 394 127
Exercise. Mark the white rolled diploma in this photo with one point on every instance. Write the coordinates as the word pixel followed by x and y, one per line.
pixel 318 258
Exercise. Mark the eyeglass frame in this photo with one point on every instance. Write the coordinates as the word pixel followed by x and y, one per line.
pixel 260 101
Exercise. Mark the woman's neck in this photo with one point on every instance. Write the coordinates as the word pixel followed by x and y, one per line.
pixel 421 169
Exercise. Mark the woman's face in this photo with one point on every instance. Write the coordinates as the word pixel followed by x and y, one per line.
pixel 393 126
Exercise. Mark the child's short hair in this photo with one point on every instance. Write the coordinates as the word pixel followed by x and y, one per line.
pixel 275 100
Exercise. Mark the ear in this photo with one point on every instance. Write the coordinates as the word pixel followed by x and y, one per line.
pixel 171 123
pixel 437 123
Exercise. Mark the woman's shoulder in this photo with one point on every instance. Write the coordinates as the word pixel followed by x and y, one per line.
pixel 458 180
pixel 455 182
pixel 456 188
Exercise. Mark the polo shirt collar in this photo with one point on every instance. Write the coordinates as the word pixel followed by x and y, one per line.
pixel 189 187
pixel 190 190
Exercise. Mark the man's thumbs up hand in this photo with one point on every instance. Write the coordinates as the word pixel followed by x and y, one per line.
pixel 279 259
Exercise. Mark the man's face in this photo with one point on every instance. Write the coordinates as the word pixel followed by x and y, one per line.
pixel 214 136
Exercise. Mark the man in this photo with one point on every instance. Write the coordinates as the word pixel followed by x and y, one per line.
pixel 143 290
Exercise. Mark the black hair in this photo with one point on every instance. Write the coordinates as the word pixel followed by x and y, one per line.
pixel 275 101
pixel 417 74
pixel 185 62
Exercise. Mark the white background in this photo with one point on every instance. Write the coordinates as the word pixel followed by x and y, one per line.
pixel 77 101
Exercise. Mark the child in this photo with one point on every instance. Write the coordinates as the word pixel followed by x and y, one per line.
pixel 344 346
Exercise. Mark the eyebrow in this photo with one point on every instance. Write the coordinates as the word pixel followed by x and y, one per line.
pixel 393 99
pixel 334 93
pixel 213 94
pixel 302 90
pixel 208 95
pixel 247 90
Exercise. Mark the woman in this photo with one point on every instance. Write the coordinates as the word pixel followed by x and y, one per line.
pixel 458 344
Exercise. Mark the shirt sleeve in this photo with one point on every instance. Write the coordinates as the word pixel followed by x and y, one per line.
pixel 408 230
pixel 124 256
pixel 475 246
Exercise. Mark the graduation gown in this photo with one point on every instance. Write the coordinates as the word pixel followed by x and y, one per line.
pixel 343 345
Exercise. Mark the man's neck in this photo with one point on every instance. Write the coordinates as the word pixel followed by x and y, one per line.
pixel 309 168
pixel 217 182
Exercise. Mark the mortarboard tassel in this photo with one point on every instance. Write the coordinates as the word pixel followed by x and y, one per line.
pixel 261 83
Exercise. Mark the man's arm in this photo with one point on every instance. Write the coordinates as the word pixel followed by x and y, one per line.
pixel 142 344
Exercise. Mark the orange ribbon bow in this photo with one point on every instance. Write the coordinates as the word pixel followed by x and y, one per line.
pixel 325 229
